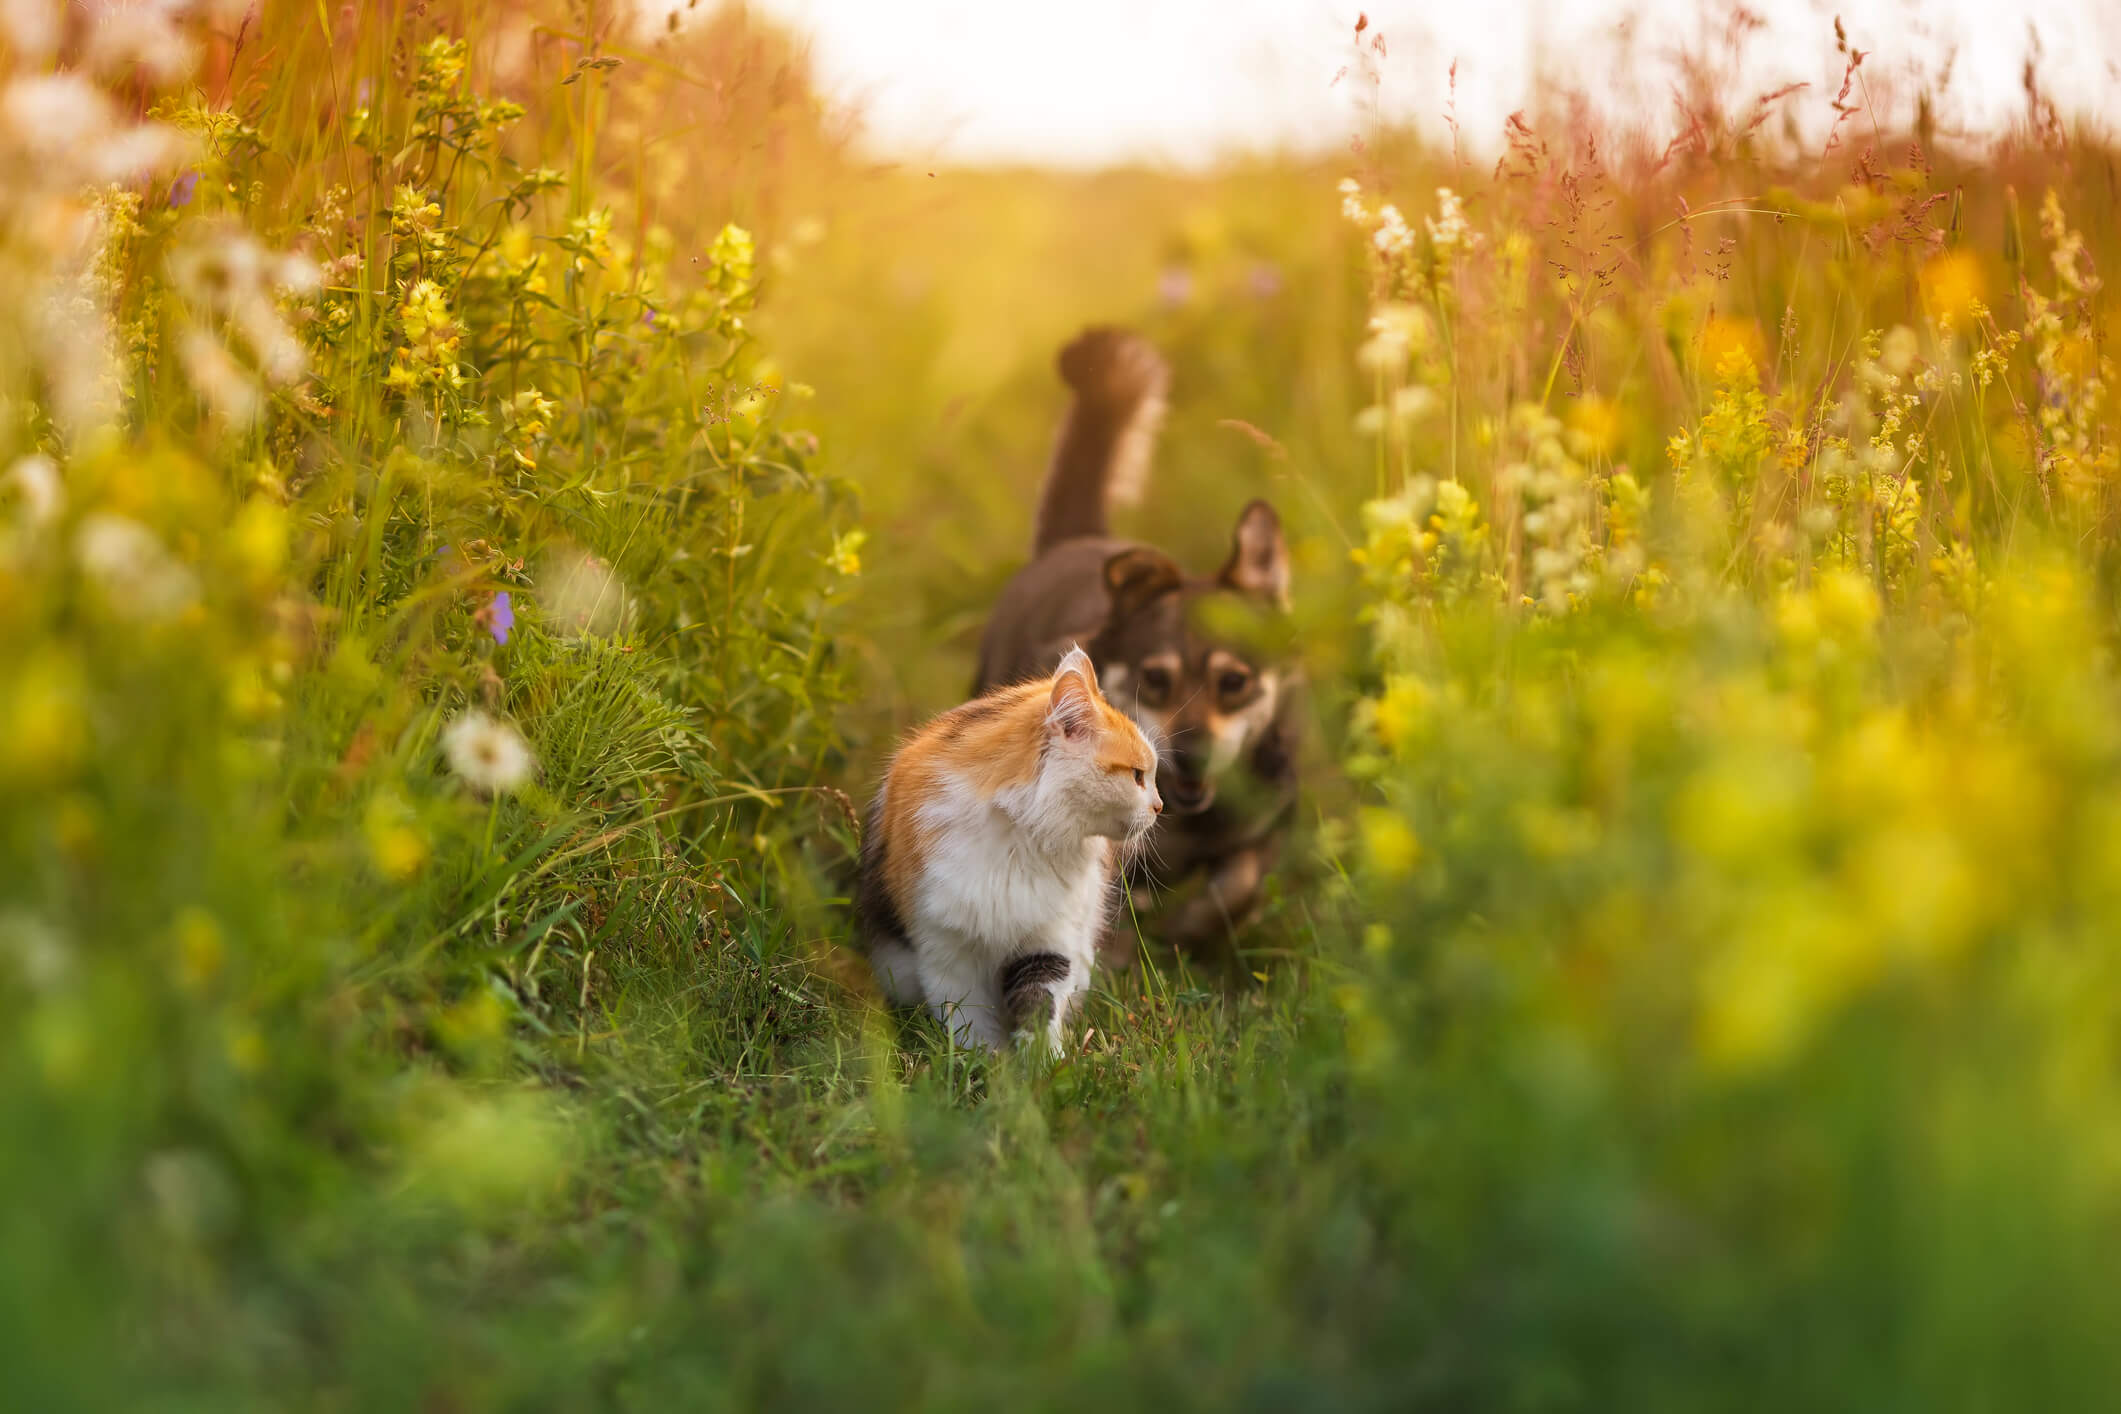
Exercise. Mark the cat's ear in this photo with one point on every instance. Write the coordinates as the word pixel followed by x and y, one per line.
pixel 1072 710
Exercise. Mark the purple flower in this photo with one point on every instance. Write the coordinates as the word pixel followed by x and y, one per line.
pixel 1175 286
pixel 500 617
pixel 181 189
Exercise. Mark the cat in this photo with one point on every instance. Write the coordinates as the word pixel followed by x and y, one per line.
pixel 992 850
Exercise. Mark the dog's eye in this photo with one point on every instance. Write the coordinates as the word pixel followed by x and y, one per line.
pixel 1139 778
pixel 1155 683
pixel 1233 682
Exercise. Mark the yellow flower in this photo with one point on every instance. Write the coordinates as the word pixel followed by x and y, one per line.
pixel 258 540
pixel 1401 712
pixel 200 949
pixel 395 845
pixel 1389 841
pixel 591 235
pixel 845 557
pixel 43 719
pixel 1723 342
pixel 1951 287
pixel 1594 427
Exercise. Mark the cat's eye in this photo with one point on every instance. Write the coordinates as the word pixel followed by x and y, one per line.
pixel 1139 778
pixel 1233 682
pixel 1156 682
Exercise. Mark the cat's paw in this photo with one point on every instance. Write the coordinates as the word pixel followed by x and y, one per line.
pixel 1041 1042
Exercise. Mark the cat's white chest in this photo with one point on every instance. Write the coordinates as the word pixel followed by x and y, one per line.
pixel 987 884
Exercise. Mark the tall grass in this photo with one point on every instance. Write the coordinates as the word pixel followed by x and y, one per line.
pixel 1690 982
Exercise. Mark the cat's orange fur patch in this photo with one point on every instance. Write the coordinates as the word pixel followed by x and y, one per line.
pixel 990 743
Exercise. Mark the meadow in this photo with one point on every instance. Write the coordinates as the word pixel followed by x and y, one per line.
pixel 481 490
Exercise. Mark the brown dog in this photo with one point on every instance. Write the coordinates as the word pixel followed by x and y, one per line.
pixel 1199 662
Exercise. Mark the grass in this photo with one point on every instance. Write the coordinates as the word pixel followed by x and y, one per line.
pixel 1691 981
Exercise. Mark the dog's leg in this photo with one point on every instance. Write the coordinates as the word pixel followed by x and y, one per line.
pixel 1225 901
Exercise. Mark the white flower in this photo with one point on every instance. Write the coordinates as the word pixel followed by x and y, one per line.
pixel 139 578
pixel 488 755
pixel 32 26
pixel 40 953
pixel 1413 403
pixel 1351 207
pixel 229 274
pixel 220 380
pixel 1392 236
pixel 36 481
pixel 140 36
pixel 580 594
pixel 1448 229
pixel 63 133
pixel 1898 352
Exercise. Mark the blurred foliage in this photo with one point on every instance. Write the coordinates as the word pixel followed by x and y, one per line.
pixel 481 482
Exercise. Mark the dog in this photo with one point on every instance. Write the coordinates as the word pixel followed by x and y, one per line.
pixel 1200 662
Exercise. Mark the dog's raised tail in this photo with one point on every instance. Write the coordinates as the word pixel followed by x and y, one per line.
pixel 1108 436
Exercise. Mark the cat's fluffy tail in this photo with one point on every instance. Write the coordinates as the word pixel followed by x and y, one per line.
pixel 1102 457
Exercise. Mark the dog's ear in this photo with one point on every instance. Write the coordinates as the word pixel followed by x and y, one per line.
pixel 1259 557
pixel 1137 577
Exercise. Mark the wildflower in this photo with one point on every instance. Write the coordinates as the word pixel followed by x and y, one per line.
pixel 228 391
pixel 416 222
pixel 43 718
pixel 1401 714
pixel 180 191
pixel 395 844
pixel 488 755
pixel 499 617
pixel 1393 238
pixel 589 236
pixel 35 479
pixel 732 259
pixel 1951 287
pixel 442 62
pixel 580 595
pixel 40 954
pixel 66 131
pixel 139 38
pixel 1449 231
pixel 1723 341
pixel 1896 355
pixel 201 950
pixel 33 28
pixel 432 337
pixel 1594 427
pixel 845 557
pixel 1174 286
pixel 1389 842
pixel 1351 205
pixel 1412 404
pixel 139 578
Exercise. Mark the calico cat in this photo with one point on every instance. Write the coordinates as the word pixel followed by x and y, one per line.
pixel 990 859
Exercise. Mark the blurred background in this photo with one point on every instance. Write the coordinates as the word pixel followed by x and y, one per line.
pixel 484 486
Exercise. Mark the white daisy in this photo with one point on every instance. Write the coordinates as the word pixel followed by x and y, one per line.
pixel 488 755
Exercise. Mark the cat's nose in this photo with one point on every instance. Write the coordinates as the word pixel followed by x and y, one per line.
pixel 1156 802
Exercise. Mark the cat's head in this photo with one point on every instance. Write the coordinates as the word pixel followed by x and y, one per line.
pixel 1096 766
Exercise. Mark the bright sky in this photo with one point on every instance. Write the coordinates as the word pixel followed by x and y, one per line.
pixel 1084 82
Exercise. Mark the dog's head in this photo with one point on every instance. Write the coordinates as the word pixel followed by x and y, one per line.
pixel 1197 662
